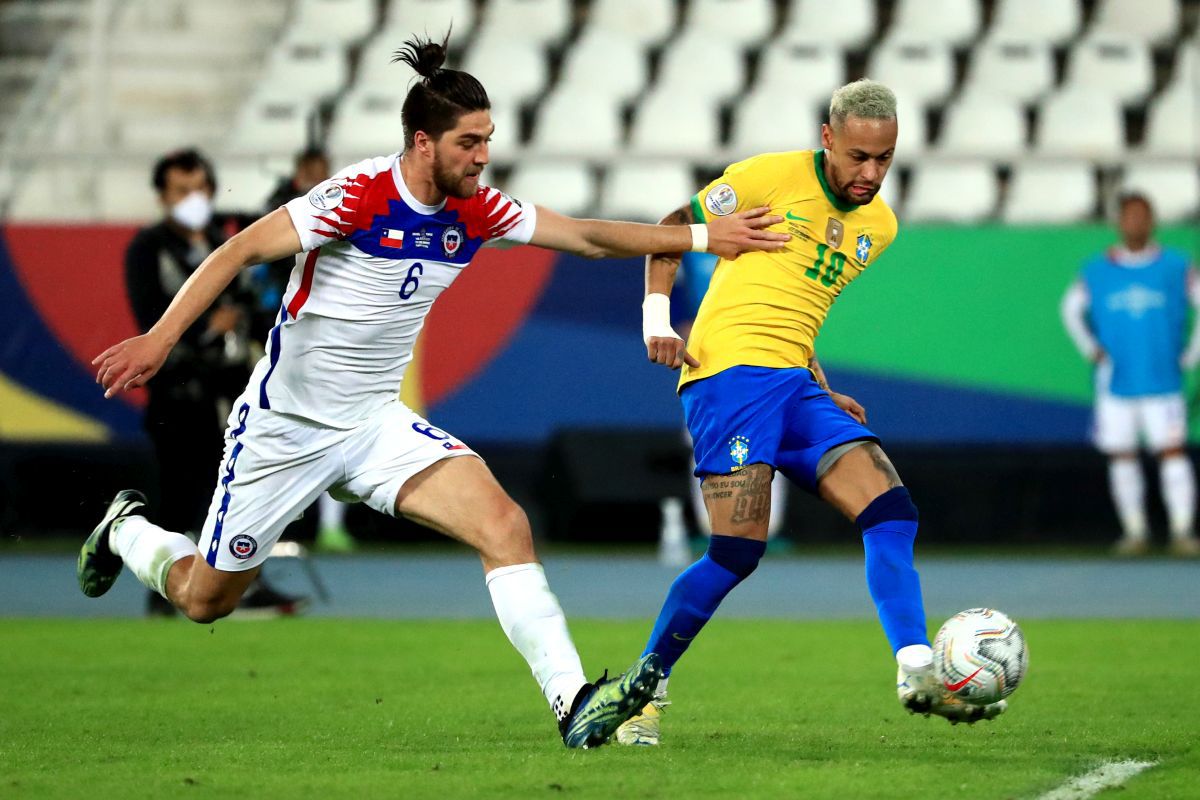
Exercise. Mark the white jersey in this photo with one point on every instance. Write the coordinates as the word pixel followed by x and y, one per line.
pixel 374 260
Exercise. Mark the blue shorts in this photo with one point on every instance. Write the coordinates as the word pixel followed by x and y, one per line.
pixel 763 415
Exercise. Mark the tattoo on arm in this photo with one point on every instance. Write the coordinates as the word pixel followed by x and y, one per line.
pixel 666 264
pixel 880 460
pixel 750 489
pixel 814 366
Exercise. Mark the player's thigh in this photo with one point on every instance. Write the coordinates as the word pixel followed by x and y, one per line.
pixel 857 478
pixel 273 469
pixel 739 504
pixel 1163 422
pixel 1115 424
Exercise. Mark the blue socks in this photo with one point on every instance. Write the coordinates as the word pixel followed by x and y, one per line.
pixel 889 526
pixel 697 592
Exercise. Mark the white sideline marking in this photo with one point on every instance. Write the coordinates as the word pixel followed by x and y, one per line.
pixel 1105 776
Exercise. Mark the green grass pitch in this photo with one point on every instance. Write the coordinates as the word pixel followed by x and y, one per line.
pixel 362 709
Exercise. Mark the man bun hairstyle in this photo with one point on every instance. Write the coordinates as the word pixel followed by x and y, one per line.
pixel 440 96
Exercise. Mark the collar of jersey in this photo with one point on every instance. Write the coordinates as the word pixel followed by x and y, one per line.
pixel 834 200
pixel 411 199
pixel 1124 257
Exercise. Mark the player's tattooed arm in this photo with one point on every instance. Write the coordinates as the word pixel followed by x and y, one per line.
pixel 814 367
pixel 843 401
pixel 663 345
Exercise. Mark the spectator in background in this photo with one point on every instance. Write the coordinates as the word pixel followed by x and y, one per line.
pixel 192 394
pixel 1127 313
pixel 270 282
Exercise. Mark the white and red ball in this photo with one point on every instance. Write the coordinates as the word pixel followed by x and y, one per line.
pixel 980 656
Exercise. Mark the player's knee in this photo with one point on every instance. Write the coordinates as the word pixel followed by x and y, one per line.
pixel 506 536
pixel 894 505
pixel 736 554
pixel 208 609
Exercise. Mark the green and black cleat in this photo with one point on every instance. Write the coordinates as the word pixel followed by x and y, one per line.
pixel 98 566
pixel 601 707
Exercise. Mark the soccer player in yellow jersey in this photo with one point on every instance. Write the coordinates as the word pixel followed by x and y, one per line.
pixel 757 402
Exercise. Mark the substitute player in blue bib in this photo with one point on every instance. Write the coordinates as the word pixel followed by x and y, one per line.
pixel 1128 314
pixel 757 402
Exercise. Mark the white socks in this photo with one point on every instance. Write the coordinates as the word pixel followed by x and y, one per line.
pixel 148 550
pixel 532 619
pixel 332 513
pixel 1128 491
pixel 915 657
pixel 1179 494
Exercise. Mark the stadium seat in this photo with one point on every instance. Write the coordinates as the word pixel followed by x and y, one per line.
pixel 568 187
pixel 1050 22
pixel 1050 193
pixel 344 22
pixel 1022 71
pixel 737 22
pixel 506 144
pixel 723 68
pixel 376 69
pixel 912 139
pixel 54 192
pixel 1172 128
pixel 526 22
pixel 951 191
pixel 765 122
pixel 1150 21
pixel 1172 186
pixel 891 192
pixel 983 126
pixel 1118 65
pixel 243 185
pixel 266 125
pixel 302 69
pixel 367 123
pixel 124 193
pixel 923 71
pixel 653 22
pixel 811 21
pixel 646 191
pixel 1187 65
pixel 1081 123
pixel 433 17
pixel 950 22
pixel 576 122
pixel 513 71
pixel 673 125
pixel 605 63
pixel 801 72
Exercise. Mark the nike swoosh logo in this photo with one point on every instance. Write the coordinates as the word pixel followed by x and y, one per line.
pixel 790 215
pixel 689 638
pixel 954 687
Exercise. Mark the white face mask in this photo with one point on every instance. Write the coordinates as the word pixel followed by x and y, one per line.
pixel 194 211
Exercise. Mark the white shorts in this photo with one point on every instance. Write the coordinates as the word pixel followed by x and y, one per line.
pixel 276 465
pixel 1160 420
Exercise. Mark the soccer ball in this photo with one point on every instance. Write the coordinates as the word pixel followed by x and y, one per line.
pixel 980 656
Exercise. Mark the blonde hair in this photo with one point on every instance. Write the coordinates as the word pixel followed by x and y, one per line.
pixel 863 98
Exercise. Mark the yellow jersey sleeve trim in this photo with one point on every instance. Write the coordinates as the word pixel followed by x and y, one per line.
pixel 698 209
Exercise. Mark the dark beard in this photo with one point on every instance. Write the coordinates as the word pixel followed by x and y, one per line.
pixel 450 184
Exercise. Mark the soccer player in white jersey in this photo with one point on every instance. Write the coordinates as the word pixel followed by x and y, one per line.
pixel 375 246
pixel 1128 313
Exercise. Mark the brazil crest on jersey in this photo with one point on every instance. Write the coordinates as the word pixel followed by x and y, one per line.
pixel 765 309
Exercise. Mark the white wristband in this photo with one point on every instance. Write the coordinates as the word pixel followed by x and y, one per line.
pixel 656 317
pixel 699 237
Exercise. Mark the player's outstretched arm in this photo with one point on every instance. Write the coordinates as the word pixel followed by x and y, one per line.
pixel 131 363
pixel 843 401
pixel 663 345
pixel 727 237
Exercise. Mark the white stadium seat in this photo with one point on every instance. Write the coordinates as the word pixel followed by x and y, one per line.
pixel 1118 65
pixel 890 191
pixel 1023 71
pixel 526 22
pixel 1150 21
pixel 577 123
pixel 801 72
pixel 1051 22
pixel 124 194
pixel 344 22
pixel 912 139
pixel 1172 127
pixel 606 63
pixel 1050 193
pixel 737 22
pixel 270 125
pixel 765 122
pixel 983 126
pixel 512 71
pixel 367 123
pixel 55 193
pixel 950 22
pixel 812 21
pixel 1172 186
pixel 1187 65
pixel 429 17
pixel 243 185
pixel 1081 123
pixel 646 191
pixel 924 71
pixel 703 67
pixel 650 24
pixel 305 70
pixel 679 126
pixel 378 72
pixel 951 191
pixel 568 187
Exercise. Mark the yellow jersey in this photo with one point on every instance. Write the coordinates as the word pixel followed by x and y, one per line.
pixel 765 309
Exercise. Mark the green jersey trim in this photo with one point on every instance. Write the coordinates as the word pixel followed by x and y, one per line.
pixel 698 209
